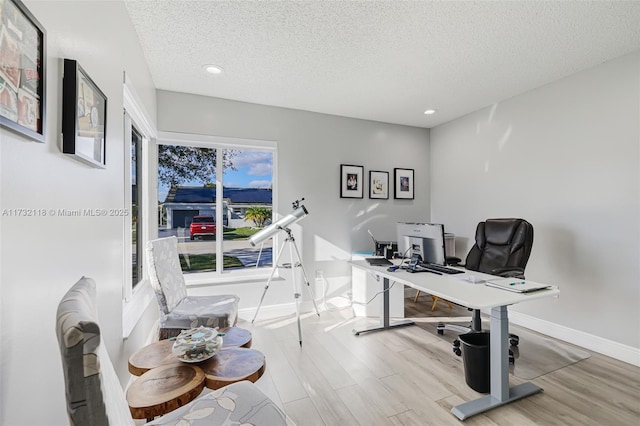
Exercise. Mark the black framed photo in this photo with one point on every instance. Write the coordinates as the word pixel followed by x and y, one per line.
pixel 84 116
pixel 22 71
pixel 351 181
pixel 378 185
pixel 403 184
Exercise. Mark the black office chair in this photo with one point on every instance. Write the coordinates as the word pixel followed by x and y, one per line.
pixel 502 248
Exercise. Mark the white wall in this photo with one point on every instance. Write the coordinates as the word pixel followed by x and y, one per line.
pixel 566 158
pixel 43 256
pixel 311 148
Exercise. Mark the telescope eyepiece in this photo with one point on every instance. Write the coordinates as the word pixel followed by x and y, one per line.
pixel 296 203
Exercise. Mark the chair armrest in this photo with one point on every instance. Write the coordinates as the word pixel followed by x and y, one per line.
pixel 509 272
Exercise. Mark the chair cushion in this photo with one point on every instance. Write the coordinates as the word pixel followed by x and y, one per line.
pixel 193 311
pixel 165 272
pixel 93 392
pixel 236 404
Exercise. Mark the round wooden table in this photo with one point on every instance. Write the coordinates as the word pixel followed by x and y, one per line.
pixel 166 383
pixel 163 389
pixel 233 365
pixel 159 353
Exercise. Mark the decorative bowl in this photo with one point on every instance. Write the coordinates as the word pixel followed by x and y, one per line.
pixel 197 344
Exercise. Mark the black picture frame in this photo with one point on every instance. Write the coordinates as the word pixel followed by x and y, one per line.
pixel 351 181
pixel 23 58
pixel 84 116
pixel 404 184
pixel 378 185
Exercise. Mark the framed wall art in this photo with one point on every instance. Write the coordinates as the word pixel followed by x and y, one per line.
pixel 403 184
pixel 351 181
pixel 22 71
pixel 84 116
pixel 378 185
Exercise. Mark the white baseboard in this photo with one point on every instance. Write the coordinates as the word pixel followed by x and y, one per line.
pixel 606 347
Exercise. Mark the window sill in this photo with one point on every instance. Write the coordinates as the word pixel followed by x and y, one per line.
pixel 133 309
pixel 204 279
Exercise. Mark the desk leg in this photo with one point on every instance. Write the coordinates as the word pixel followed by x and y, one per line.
pixel 385 324
pixel 501 394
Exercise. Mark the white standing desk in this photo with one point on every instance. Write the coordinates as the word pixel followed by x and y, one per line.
pixel 474 296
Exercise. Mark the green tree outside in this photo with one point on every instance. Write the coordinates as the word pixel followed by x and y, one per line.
pixel 259 215
pixel 179 164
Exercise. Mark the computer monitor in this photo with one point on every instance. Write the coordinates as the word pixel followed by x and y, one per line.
pixel 425 239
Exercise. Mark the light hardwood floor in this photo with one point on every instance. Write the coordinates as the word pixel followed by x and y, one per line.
pixel 409 376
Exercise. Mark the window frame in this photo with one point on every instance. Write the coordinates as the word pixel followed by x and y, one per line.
pixel 221 276
pixel 136 299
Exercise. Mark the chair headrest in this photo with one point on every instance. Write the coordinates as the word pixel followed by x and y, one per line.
pixel 501 231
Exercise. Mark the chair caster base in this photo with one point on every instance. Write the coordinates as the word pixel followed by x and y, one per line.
pixel 514 340
pixel 456 347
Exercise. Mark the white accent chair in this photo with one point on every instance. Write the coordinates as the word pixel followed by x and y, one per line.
pixel 94 395
pixel 177 310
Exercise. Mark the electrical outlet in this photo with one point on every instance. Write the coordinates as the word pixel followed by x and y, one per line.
pixel 319 274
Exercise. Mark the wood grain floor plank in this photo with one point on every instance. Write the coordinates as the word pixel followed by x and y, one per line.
pixel 287 383
pixel 327 402
pixel 421 405
pixel 358 370
pixel 303 413
pixel 363 409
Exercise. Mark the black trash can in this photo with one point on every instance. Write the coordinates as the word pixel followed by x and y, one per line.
pixel 476 360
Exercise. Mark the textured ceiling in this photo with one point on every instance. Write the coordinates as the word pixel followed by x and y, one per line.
pixel 384 61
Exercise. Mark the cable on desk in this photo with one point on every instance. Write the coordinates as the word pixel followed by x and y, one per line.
pixel 374 296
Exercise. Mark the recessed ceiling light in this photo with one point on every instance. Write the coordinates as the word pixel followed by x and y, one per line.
pixel 213 69
pixel 430 111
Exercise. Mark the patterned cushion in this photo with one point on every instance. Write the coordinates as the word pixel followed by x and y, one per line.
pixel 193 311
pixel 240 403
pixel 93 392
pixel 165 272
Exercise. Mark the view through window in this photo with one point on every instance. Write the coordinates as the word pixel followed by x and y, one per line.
pixel 136 198
pixel 191 208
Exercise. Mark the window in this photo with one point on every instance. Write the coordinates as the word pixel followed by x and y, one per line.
pixel 135 208
pixel 213 195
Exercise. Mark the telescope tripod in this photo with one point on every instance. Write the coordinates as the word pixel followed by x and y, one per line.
pixel 293 249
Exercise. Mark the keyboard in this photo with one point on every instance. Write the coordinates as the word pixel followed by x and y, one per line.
pixel 440 268
pixel 378 261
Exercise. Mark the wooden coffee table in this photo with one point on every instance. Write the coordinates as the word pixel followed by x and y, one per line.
pixel 163 389
pixel 159 353
pixel 233 365
pixel 166 383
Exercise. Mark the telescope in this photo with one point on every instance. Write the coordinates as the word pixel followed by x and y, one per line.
pixel 298 213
